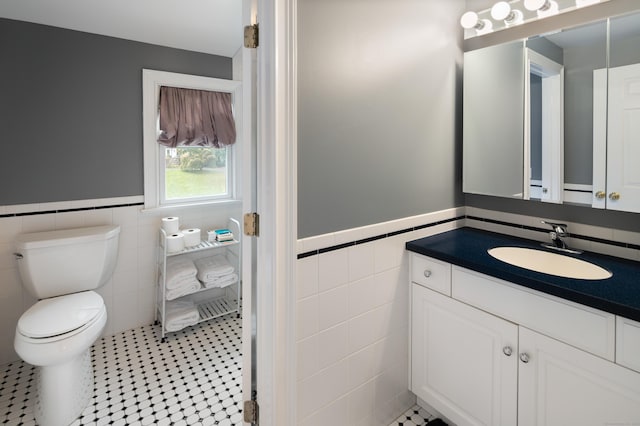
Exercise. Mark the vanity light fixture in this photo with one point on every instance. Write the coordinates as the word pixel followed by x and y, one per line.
pixel 502 11
pixel 543 8
pixel 471 20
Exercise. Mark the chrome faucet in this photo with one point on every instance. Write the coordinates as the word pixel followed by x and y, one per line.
pixel 557 235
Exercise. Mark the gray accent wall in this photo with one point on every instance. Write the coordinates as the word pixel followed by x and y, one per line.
pixel 71 111
pixel 379 108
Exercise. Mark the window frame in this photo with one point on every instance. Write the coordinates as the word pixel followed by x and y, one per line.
pixel 154 153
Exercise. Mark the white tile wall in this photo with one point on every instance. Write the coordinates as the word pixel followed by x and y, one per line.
pixel 352 324
pixel 129 295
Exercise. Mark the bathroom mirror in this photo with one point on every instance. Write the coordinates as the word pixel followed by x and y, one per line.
pixel 616 145
pixel 528 115
pixel 493 114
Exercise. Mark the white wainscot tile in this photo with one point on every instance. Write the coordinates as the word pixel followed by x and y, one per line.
pixel 70 220
pixel 333 307
pixel 317 242
pixel 333 269
pixel 361 261
pixel 334 414
pixel 307 277
pixel 323 388
pixel 39 222
pixel 389 252
pixel 389 284
pixel 626 236
pixel 362 296
pixel 124 281
pixel 148 235
pixel 98 217
pixel 308 357
pixel 7 353
pixel 10 227
pixel 146 306
pixel 127 249
pixel 126 216
pixel 332 345
pixel 307 317
pixel 367 328
pixel 364 365
pixel 125 306
pixel 362 404
pixel 7 257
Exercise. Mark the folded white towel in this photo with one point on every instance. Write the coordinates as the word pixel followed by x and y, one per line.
pixel 188 286
pixel 222 281
pixel 213 267
pixel 180 314
pixel 179 269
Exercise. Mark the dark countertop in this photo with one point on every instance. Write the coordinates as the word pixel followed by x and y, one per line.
pixel 467 247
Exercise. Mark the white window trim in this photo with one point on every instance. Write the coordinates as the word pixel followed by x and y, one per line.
pixel 151 82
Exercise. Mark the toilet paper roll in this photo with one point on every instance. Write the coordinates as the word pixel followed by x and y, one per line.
pixel 171 225
pixel 191 237
pixel 175 242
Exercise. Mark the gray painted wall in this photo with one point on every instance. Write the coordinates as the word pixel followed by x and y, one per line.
pixel 379 111
pixel 71 111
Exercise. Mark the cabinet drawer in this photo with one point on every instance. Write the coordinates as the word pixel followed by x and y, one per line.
pixel 431 273
pixel 580 326
pixel 628 343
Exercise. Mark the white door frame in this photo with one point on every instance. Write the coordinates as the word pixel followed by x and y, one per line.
pixel 276 129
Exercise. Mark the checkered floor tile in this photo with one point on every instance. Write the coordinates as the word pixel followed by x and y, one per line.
pixel 194 378
pixel 415 416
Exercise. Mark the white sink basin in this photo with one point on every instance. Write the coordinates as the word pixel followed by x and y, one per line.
pixel 549 263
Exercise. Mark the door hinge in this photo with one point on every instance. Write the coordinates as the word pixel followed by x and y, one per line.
pixel 251 412
pixel 251 36
pixel 251 224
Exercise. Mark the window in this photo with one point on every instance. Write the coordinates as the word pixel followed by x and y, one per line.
pixel 183 175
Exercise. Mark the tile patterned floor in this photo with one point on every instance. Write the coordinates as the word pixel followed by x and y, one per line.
pixel 194 378
pixel 415 416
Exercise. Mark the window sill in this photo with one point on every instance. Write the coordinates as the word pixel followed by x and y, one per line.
pixel 188 206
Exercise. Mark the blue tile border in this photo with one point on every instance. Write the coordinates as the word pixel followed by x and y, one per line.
pixel 108 206
pixel 480 219
pixel 374 238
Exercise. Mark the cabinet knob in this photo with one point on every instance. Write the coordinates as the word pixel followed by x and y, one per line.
pixel 427 273
pixel 600 195
pixel 614 196
pixel 524 357
pixel 507 350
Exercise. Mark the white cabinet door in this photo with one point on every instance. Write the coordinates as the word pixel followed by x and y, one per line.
pixel 459 360
pixel 561 386
pixel 623 143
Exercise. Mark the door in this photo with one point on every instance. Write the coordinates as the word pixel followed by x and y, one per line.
pixel 560 385
pixel 623 142
pixel 463 360
pixel 249 185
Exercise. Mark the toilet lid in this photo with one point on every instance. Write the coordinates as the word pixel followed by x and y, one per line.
pixel 59 315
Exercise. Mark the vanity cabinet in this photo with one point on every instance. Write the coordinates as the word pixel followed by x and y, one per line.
pixel 484 355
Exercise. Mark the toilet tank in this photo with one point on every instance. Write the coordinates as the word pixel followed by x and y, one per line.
pixel 66 261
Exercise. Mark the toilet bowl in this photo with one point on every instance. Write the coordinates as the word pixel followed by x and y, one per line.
pixel 62 268
pixel 56 335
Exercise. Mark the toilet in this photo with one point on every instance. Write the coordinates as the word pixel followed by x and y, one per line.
pixel 62 268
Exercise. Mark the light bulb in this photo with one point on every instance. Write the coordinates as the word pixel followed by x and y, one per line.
pixel 544 8
pixel 471 20
pixel 534 4
pixel 502 11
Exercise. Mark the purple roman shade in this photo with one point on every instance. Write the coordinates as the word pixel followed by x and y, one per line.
pixel 195 118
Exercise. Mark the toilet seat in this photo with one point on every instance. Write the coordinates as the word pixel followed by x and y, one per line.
pixel 61 317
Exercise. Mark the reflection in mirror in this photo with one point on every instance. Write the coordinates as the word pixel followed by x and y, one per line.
pixel 617 147
pixel 544 91
pixel 493 110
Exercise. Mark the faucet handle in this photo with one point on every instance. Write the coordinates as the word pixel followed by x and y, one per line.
pixel 558 228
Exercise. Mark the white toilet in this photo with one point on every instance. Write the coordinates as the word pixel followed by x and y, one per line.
pixel 61 268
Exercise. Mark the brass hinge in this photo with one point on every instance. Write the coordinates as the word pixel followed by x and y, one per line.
pixel 251 224
pixel 251 412
pixel 251 36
